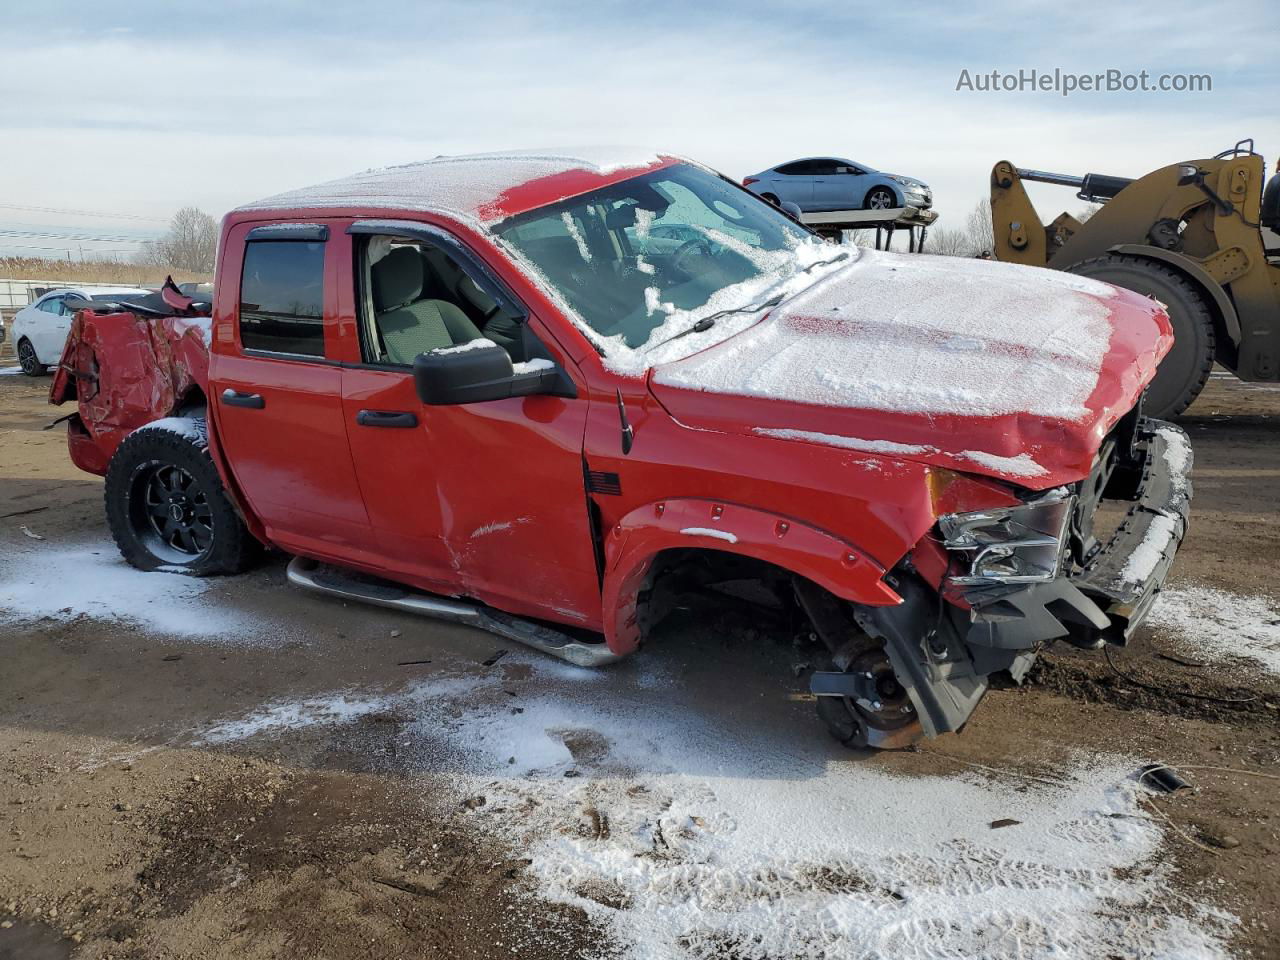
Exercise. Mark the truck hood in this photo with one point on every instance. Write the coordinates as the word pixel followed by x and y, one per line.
pixel 990 368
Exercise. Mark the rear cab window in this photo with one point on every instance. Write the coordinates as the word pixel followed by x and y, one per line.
pixel 282 298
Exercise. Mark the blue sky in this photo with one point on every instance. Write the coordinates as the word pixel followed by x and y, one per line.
pixel 142 107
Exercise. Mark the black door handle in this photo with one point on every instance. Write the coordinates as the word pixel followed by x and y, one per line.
pixel 234 398
pixel 386 418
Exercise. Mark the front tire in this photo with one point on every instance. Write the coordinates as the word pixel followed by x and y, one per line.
pixel 1185 369
pixel 28 360
pixel 166 505
pixel 880 198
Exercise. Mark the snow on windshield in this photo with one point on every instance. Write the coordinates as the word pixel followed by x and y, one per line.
pixel 638 264
pixel 922 334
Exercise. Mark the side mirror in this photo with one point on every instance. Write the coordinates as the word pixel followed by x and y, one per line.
pixel 792 210
pixel 478 371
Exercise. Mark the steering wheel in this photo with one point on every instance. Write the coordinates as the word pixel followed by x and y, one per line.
pixel 688 251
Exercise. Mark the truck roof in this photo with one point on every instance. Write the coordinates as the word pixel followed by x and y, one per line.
pixel 481 187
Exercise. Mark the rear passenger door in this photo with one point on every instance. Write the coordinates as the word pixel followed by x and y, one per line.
pixel 276 391
pixel 796 183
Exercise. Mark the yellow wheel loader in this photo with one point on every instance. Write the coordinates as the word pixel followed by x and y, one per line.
pixel 1193 235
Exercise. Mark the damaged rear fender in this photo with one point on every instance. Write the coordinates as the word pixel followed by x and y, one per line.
pixel 632 544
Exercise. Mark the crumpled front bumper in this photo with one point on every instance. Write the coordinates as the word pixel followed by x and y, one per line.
pixel 1109 598
pixel 943 655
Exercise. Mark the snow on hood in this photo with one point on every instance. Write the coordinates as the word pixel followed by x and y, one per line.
pixel 993 368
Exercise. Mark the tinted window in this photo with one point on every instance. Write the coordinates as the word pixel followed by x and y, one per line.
pixel 281 297
pixel 799 168
pixel 824 168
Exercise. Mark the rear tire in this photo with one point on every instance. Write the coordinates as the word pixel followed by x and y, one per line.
pixel 1185 370
pixel 166 505
pixel 28 360
pixel 771 198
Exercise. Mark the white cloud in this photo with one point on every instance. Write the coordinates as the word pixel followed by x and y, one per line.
pixel 236 121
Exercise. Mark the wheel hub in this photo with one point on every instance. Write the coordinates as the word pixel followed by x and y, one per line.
pixel 172 515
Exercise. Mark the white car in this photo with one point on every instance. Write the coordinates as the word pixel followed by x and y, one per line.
pixel 40 329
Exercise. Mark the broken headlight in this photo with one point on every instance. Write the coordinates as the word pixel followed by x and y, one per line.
pixel 1021 544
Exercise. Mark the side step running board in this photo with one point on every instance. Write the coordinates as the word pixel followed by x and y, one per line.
pixel 313 575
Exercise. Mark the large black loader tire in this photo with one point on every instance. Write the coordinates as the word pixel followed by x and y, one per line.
pixel 1184 371
pixel 166 505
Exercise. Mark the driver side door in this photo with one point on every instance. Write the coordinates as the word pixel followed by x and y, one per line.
pixel 837 187
pixel 484 500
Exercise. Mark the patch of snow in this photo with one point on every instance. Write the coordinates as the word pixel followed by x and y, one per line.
pixel 874 334
pixel 571 225
pixel 475 344
pixel 1142 562
pixel 1177 455
pixel 187 427
pixel 1023 465
pixel 464 185
pixel 10 371
pixel 274 718
pixel 66 583
pixel 1221 624
pixel 782 274
pixel 852 443
pixel 653 302
pixel 724 535
pixel 532 366
pixel 688 838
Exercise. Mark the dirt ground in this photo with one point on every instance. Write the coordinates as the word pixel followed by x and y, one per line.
pixel 124 834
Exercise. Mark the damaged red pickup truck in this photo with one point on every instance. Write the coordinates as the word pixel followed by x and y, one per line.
pixel 550 396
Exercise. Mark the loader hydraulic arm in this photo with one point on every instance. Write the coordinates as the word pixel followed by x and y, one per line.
pixel 1019 234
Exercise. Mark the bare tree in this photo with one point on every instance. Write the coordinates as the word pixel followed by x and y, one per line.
pixel 1087 211
pixel 982 235
pixel 190 243
pixel 948 242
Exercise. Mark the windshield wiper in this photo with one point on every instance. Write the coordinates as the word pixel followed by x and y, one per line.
pixel 706 323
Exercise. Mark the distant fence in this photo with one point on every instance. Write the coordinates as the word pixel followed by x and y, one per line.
pixel 16 294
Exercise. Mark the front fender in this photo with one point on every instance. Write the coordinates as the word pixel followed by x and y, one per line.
pixel 631 545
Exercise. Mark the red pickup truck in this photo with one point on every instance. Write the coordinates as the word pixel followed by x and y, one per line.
pixel 550 395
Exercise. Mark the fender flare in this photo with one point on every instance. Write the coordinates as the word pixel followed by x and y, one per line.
pixel 632 543
pixel 1196 274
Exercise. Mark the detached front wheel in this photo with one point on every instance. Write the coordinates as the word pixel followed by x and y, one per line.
pixel 166 505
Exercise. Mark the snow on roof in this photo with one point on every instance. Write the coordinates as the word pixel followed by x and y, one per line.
pixel 921 334
pixel 467 186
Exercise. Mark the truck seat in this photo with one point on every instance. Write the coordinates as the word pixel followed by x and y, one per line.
pixel 408 325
